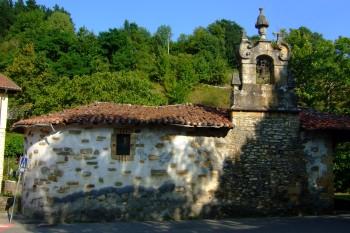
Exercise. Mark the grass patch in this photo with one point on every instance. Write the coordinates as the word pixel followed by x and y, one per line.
pixel 210 95
pixel 10 166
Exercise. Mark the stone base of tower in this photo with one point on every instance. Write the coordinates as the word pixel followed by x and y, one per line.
pixel 266 174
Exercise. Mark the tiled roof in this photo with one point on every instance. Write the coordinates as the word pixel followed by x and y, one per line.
pixel 8 84
pixel 312 120
pixel 126 114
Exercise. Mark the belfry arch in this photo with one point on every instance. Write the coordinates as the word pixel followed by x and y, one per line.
pixel 264 70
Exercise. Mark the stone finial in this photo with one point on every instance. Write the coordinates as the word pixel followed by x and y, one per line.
pixel 244 35
pixel 262 24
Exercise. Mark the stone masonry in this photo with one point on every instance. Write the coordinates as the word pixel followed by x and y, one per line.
pixel 73 176
pixel 266 172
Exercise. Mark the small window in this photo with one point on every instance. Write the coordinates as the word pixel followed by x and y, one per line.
pixel 123 144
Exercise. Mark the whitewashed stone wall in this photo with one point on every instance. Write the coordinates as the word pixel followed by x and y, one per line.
pixel 73 177
pixel 319 167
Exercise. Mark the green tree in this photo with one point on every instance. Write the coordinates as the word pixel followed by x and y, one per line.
pixel 342 167
pixel 7 16
pixel 31 72
pixel 13 144
pixel 230 32
pixel 319 67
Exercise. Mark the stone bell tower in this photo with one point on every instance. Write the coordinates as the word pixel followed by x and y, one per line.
pixel 267 170
pixel 263 83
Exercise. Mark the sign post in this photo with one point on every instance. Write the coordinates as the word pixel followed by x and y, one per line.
pixel 23 163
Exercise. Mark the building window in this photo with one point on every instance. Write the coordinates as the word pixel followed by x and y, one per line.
pixel 123 144
pixel 264 70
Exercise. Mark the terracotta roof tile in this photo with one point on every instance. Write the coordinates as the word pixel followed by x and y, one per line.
pixel 124 114
pixel 8 84
pixel 312 120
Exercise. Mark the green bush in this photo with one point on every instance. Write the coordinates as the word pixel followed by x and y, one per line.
pixel 342 167
pixel 13 144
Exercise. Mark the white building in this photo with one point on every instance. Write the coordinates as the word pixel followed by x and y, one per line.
pixel 7 86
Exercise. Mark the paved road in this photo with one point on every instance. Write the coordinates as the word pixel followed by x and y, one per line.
pixel 323 224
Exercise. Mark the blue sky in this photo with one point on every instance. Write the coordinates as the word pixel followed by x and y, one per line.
pixel 328 17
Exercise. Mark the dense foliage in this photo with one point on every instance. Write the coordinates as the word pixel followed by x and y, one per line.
pixel 13 145
pixel 59 66
pixel 342 168
pixel 321 68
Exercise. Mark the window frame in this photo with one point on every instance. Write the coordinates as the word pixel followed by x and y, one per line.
pixel 114 144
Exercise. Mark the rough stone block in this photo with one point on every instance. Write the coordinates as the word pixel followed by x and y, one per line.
pixel 153 157
pixel 63 189
pixel 89 186
pixel 159 172
pixel 100 138
pixel 86 174
pixel 191 156
pixel 55 138
pixel 86 151
pixel 78 169
pixel 74 131
pixel 182 172
pixel 64 153
pixel 118 183
pixel 96 152
pixel 52 177
pixel 127 172
pixel 61 162
pixel 91 162
pixel 159 145
pixel 57 149
pixel 88 157
pixel 72 183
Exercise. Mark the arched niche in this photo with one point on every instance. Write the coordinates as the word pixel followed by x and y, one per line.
pixel 264 70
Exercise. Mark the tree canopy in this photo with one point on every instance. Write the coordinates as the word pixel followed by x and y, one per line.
pixel 43 52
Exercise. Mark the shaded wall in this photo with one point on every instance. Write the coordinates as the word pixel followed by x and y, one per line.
pixel 318 151
pixel 266 173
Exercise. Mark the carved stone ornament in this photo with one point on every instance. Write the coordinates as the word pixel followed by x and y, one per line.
pixel 284 53
pixel 245 49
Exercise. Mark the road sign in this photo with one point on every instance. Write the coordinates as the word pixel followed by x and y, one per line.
pixel 23 163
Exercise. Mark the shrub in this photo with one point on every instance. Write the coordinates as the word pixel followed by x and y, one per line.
pixel 13 145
